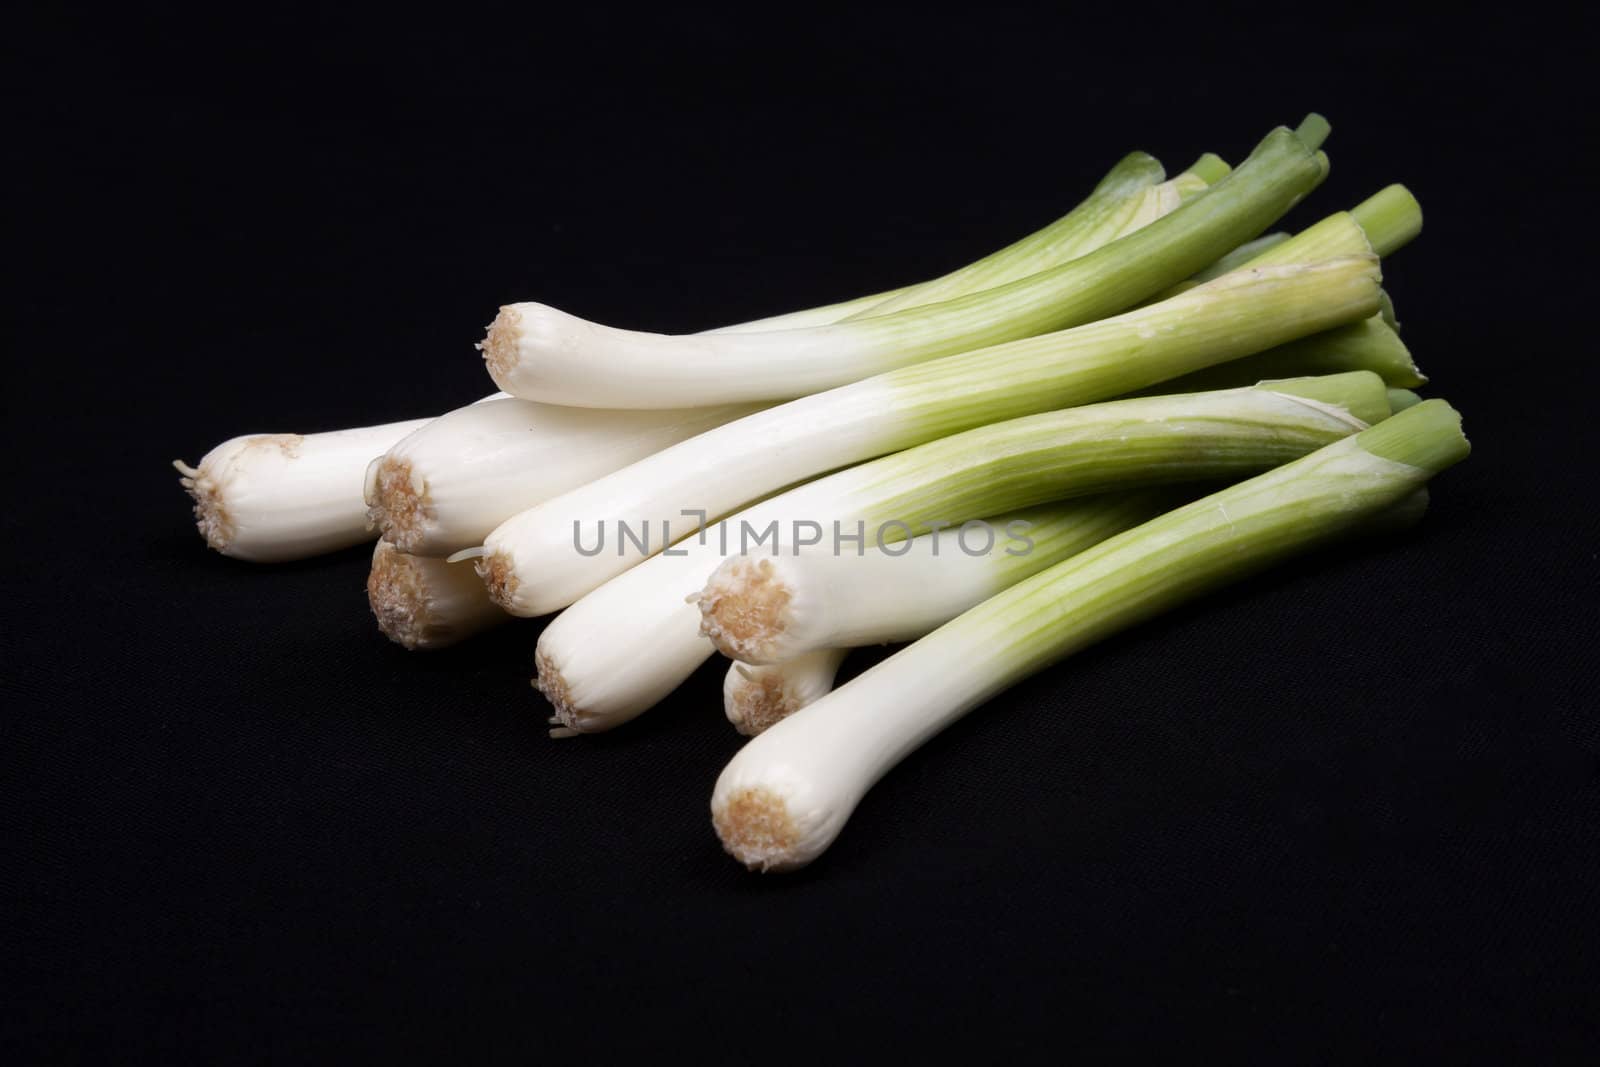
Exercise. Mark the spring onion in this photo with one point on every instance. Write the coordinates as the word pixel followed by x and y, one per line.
pixel 446 485
pixel 539 353
pixel 1124 202
pixel 755 697
pixel 764 609
pixel 1117 196
pixel 913 603
pixel 533 565
pixel 273 497
pixel 629 643
pixel 424 603
pixel 786 795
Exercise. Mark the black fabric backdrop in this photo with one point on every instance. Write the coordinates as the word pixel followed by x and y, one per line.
pixel 1348 810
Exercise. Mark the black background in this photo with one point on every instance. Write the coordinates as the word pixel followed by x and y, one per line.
pixel 1347 810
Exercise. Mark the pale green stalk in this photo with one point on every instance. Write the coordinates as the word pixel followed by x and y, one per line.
pixel 1400 399
pixel 1379 225
pixel 1391 218
pixel 1115 195
pixel 1237 258
pixel 1386 311
pixel 1125 201
pixel 1370 344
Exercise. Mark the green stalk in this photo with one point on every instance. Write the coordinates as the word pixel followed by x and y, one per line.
pixel 1131 195
pixel 1100 219
pixel 1236 259
pixel 1400 399
pixel 1370 345
pixel 1386 310
pixel 1175 339
pixel 1124 444
pixel 1391 218
pixel 1381 224
pixel 1209 169
pixel 1377 226
pixel 1111 204
pixel 1313 130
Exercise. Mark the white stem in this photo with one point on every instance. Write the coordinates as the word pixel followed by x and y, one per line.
pixel 755 697
pixel 281 496
pixel 445 486
pixel 766 609
pixel 424 603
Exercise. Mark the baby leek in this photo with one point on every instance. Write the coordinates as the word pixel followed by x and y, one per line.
pixel 786 795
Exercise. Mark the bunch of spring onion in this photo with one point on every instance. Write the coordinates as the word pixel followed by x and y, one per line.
pixel 1150 396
